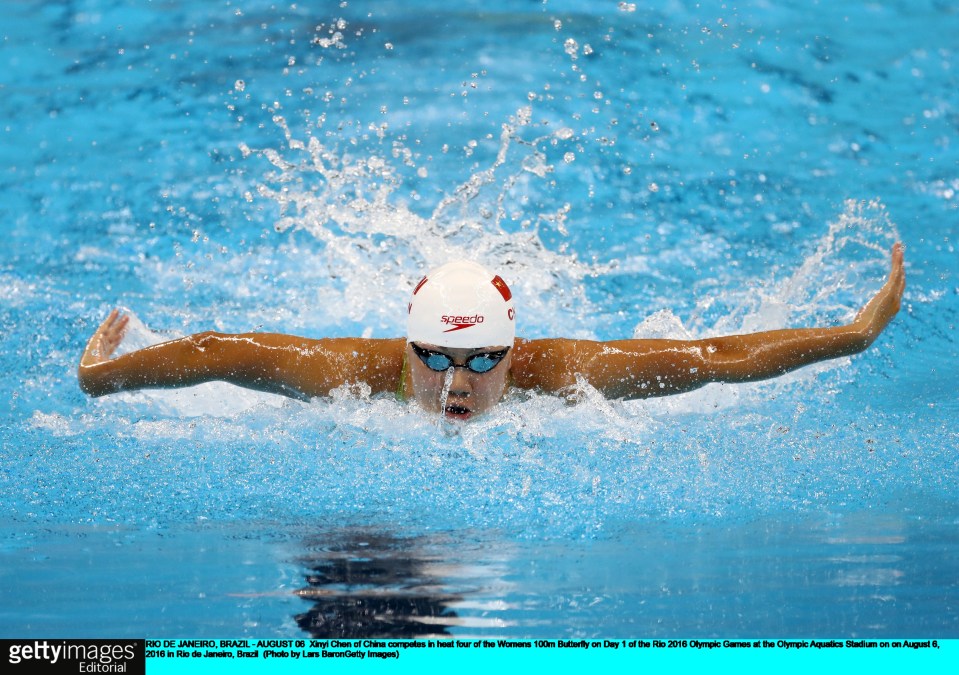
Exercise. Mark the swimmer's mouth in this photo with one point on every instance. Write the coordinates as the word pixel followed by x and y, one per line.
pixel 458 412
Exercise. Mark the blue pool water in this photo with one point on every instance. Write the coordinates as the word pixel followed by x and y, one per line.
pixel 631 169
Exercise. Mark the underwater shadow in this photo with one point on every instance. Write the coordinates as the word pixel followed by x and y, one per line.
pixel 366 583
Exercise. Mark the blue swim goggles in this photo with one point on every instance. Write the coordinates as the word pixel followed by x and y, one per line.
pixel 477 363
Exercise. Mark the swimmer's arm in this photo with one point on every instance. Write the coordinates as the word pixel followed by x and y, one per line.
pixel 280 364
pixel 645 368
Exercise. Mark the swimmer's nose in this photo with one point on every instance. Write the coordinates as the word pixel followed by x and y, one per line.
pixel 461 384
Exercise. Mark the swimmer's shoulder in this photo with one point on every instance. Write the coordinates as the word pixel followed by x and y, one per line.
pixel 377 362
pixel 359 349
pixel 545 364
pixel 387 348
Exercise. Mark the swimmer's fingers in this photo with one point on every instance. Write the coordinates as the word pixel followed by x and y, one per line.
pixel 879 311
pixel 113 335
pixel 106 339
pixel 897 275
pixel 896 283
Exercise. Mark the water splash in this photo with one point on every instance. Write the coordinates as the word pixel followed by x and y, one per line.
pixel 849 263
pixel 373 246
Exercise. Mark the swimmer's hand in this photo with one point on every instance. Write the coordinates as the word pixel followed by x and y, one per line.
pixel 878 312
pixel 106 339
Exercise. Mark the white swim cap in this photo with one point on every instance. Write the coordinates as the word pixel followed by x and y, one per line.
pixel 461 304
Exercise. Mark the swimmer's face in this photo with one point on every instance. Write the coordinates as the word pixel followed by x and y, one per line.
pixel 470 393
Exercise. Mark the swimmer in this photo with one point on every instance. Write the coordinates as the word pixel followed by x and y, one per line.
pixel 460 355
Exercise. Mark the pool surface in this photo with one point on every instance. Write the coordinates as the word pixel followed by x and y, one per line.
pixel 630 169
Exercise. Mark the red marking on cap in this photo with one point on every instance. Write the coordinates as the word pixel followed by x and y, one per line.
pixel 459 326
pixel 502 288
pixel 419 285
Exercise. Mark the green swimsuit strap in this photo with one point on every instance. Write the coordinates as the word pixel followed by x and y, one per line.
pixel 401 387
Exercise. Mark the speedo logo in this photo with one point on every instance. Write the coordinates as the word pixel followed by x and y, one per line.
pixel 461 322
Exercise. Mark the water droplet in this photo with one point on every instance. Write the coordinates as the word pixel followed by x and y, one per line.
pixel 447 383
